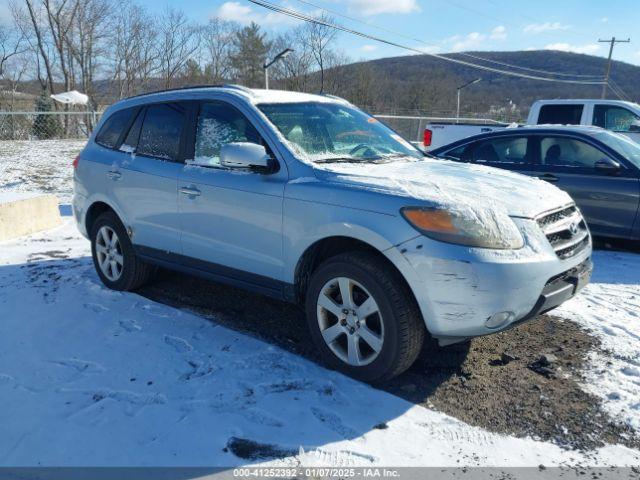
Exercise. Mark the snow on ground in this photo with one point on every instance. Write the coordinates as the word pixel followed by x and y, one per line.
pixel 39 166
pixel 93 377
pixel 610 307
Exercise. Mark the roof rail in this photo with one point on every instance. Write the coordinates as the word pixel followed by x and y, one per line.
pixel 193 87
pixel 242 88
pixel 328 95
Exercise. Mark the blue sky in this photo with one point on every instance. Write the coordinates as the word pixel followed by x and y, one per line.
pixel 455 25
pixel 449 25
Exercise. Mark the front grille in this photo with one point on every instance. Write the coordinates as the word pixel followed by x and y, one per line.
pixel 565 230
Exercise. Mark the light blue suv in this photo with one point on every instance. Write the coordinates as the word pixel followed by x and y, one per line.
pixel 308 199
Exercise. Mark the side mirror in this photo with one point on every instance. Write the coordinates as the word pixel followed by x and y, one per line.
pixel 607 165
pixel 634 128
pixel 246 155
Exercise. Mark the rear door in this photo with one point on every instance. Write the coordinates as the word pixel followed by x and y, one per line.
pixel 146 176
pixel 231 218
pixel 609 201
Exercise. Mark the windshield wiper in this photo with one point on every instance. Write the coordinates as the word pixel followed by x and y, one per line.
pixel 343 160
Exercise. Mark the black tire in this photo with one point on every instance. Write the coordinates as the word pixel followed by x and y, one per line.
pixel 404 330
pixel 135 272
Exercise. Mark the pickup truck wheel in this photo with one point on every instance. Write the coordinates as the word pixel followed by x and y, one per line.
pixel 114 257
pixel 363 318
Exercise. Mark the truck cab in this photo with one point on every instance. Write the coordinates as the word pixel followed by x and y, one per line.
pixel 614 115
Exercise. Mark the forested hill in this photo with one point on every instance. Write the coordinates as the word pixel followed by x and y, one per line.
pixel 426 83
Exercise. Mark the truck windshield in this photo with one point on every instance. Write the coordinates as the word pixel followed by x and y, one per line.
pixel 621 144
pixel 331 132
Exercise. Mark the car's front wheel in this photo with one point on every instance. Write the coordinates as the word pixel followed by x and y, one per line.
pixel 363 318
pixel 114 257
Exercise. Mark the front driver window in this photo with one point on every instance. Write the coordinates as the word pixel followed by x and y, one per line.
pixel 219 124
pixel 616 119
pixel 569 152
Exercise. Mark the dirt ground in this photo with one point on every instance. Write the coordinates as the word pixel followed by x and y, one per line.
pixel 523 382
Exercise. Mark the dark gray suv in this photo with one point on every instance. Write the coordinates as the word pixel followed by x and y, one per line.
pixel 598 168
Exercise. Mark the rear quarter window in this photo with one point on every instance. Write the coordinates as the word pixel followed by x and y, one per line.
pixel 560 115
pixel 113 127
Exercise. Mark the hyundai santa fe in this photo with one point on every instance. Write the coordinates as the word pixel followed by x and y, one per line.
pixel 308 199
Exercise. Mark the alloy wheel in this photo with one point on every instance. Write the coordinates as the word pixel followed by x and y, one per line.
pixel 350 321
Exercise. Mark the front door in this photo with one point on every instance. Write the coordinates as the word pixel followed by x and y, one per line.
pixel 608 200
pixel 231 219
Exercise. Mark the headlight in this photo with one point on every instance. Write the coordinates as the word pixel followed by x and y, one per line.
pixel 472 227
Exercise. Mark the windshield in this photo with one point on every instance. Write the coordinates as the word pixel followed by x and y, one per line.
pixel 330 132
pixel 621 144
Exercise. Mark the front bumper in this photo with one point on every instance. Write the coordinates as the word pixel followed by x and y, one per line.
pixel 460 289
pixel 557 290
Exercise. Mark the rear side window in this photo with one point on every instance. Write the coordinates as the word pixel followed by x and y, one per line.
pixel 161 131
pixel 502 150
pixel 114 126
pixel 560 115
pixel 614 118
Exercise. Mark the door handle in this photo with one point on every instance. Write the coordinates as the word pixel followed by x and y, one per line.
pixel 547 177
pixel 114 175
pixel 190 191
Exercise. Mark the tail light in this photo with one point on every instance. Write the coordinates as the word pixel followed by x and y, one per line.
pixel 428 135
pixel 76 161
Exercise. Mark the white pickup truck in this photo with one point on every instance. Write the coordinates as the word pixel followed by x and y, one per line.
pixel 614 115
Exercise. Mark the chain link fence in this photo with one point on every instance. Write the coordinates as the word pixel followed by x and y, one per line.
pixel 47 125
pixel 412 127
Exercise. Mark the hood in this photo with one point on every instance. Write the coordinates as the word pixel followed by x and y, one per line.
pixel 459 186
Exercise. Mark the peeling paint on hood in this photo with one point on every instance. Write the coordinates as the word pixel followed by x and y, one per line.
pixel 459 186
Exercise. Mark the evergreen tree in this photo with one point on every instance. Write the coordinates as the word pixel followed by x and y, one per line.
pixel 45 126
pixel 250 49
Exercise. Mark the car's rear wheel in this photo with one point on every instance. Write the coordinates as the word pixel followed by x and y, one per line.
pixel 114 257
pixel 363 318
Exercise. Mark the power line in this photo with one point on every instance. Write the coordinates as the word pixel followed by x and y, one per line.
pixel 477 57
pixel 307 18
pixel 619 88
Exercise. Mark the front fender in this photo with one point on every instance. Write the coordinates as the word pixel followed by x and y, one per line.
pixel 306 223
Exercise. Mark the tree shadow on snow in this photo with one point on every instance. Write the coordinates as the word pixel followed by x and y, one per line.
pixel 55 279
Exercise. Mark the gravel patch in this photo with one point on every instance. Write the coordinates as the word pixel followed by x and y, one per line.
pixel 523 382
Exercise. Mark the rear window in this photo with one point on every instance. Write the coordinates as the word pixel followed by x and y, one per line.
pixel 161 131
pixel 114 126
pixel 560 115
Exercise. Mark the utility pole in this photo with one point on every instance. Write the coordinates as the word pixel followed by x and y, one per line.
pixel 612 42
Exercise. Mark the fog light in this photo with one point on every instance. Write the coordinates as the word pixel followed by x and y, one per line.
pixel 499 319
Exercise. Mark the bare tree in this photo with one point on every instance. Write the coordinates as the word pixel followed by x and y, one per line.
pixel 178 42
pixel 317 37
pixel 134 55
pixel 217 37
pixel 60 16
pixel 32 26
pixel 88 41
pixel 294 71
pixel 12 43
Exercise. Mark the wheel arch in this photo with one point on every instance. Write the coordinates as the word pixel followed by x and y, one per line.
pixel 327 247
pixel 97 208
